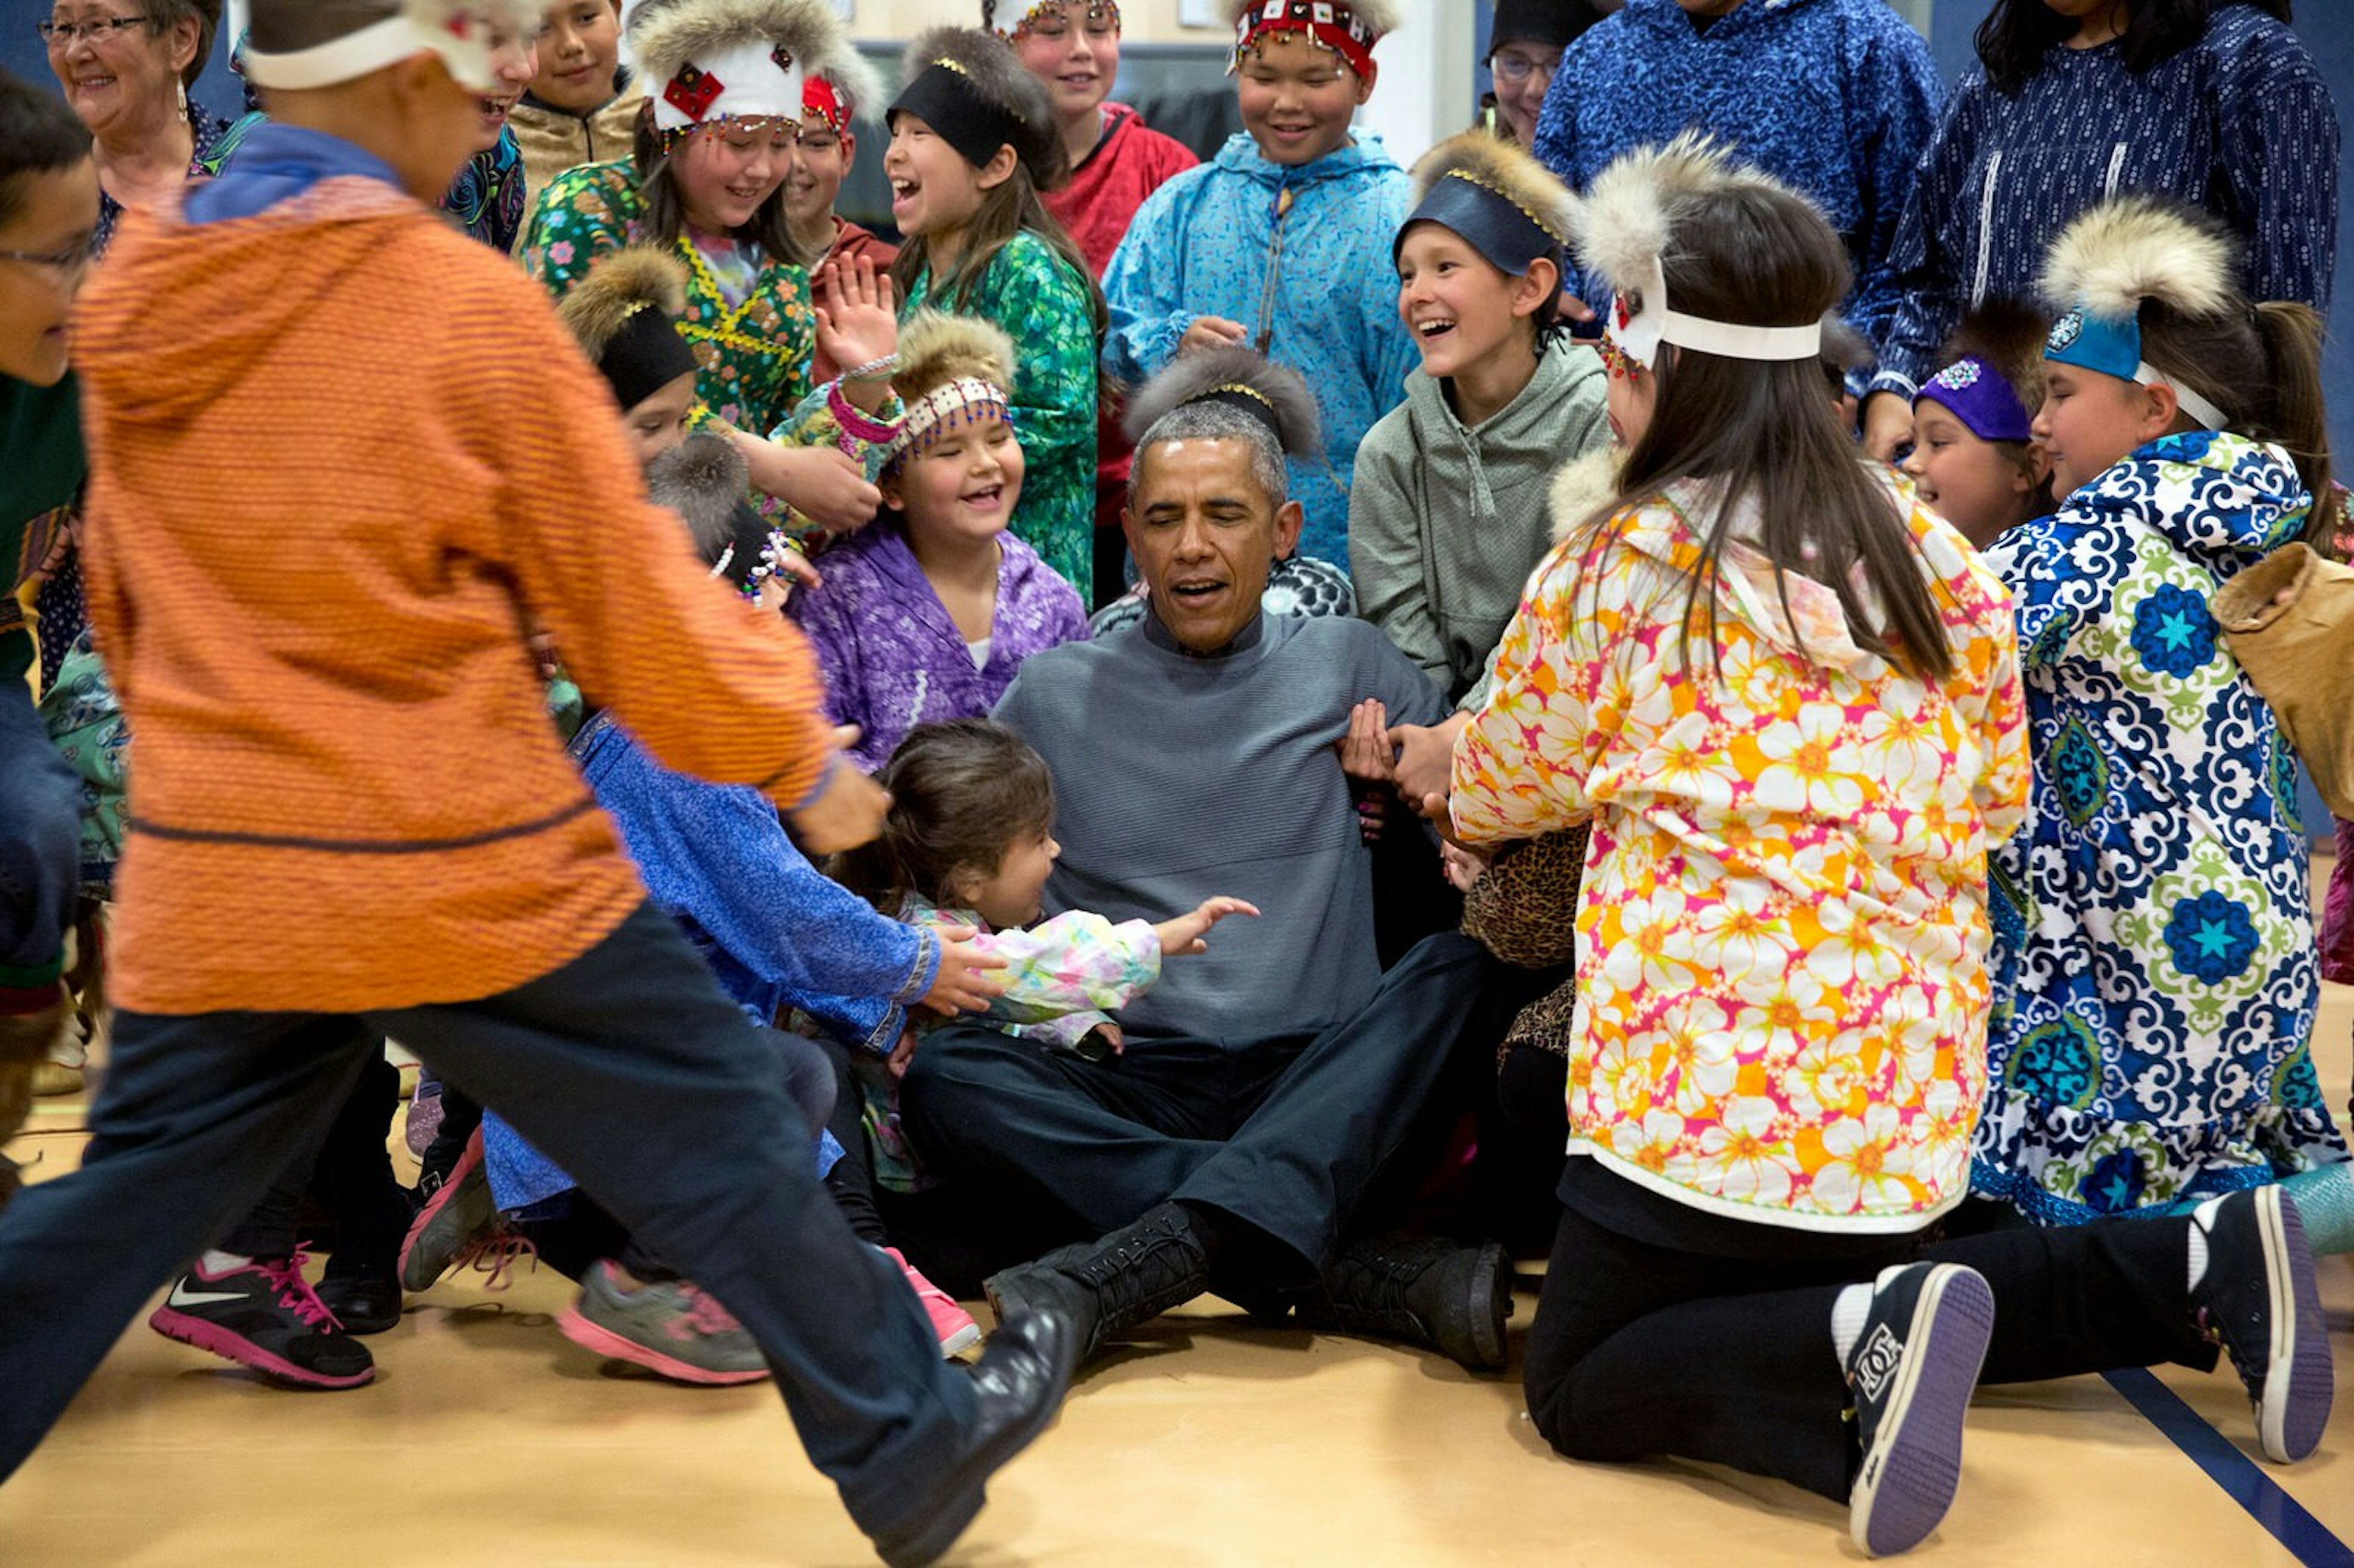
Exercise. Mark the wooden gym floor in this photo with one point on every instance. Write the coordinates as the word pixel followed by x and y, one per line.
pixel 488 1439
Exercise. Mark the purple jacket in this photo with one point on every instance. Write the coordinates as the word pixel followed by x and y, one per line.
pixel 892 657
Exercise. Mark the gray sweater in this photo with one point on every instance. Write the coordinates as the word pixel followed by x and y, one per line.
pixel 1446 522
pixel 1178 778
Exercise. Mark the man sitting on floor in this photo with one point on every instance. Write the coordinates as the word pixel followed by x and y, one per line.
pixel 1264 1087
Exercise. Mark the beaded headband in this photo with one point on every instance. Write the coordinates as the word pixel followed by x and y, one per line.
pixel 967 400
pixel 822 103
pixel 1981 397
pixel 750 79
pixel 1095 11
pixel 1329 25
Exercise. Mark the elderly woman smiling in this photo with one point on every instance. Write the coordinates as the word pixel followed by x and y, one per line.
pixel 125 67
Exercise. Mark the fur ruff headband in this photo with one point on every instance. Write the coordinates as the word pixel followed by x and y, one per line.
pixel 2122 255
pixel 1240 378
pixel 952 370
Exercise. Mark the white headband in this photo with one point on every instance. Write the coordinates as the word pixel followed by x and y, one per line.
pixel 2189 402
pixel 747 79
pixel 462 39
pixel 1640 333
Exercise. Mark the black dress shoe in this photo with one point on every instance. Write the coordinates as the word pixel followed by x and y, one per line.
pixel 1018 1386
pixel 363 1303
pixel 1108 1286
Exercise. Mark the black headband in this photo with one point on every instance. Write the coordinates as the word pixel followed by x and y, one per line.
pixel 1251 401
pixel 646 355
pixel 944 96
pixel 1496 226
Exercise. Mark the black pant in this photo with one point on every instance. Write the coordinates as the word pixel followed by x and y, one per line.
pixel 1286 1135
pixel 350 1172
pixel 626 1066
pixel 1640 1350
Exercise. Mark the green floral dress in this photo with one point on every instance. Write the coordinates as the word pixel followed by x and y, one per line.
pixel 1042 303
pixel 754 356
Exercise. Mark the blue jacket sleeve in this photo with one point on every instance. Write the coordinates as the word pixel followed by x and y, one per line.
pixel 1923 267
pixel 2277 141
pixel 1143 284
pixel 1897 99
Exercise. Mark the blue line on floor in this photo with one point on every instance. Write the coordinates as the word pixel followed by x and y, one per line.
pixel 2244 1481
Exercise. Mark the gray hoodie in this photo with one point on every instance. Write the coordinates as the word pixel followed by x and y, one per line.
pixel 1446 522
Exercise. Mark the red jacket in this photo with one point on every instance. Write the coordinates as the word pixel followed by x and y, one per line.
pixel 1127 165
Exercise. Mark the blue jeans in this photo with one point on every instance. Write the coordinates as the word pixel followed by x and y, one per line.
pixel 40 854
pixel 628 1066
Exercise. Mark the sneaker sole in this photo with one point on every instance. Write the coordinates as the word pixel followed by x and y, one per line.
pixel 589 1336
pixel 211 1337
pixel 2298 1359
pixel 1490 1305
pixel 963 1340
pixel 1908 1481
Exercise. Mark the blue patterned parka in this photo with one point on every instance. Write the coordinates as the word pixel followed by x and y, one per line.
pixel 2154 946
pixel 1300 255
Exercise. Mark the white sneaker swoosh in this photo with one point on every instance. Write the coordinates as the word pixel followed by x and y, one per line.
pixel 183 1297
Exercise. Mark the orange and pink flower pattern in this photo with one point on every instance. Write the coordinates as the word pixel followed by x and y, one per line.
pixel 1782 992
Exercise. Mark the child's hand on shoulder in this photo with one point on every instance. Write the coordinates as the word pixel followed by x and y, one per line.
pixel 1212 331
pixel 1183 935
pixel 963 984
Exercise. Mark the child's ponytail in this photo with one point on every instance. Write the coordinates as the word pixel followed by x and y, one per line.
pixel 2297 416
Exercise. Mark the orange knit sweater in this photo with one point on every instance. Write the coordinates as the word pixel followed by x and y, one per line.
pixel 340 454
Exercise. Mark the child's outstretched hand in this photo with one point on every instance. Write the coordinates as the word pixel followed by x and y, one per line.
pixel 1211 332
pixel 856 324
pixel 1368 757
pixel 963 984
pixel 1183 935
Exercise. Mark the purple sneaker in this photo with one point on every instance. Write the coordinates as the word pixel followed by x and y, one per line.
pixel 1911 1373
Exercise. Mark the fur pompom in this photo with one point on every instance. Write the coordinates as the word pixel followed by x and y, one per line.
pixel 860 84
pixel 1196 375
pixel 618 286
pixel 1627 219
pixel 663 36
pixel 1510 172
pixel 936 348
pixel 2140 248
pixel 705 479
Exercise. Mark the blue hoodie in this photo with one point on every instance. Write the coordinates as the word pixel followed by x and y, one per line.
pixel 1203 245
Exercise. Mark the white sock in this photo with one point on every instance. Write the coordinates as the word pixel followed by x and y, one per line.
pixel 216 1263
pixel 1847 1315
pixel 2201 1219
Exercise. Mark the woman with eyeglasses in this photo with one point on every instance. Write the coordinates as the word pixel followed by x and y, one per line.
pixel 1523 52
pixel 125 67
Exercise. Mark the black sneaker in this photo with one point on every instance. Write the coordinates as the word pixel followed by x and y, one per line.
pixel 457 1215
pixel 364 1302
pixel 1911 1373
pixel 263 1314
pixel 1108 1287
pixel 2259 1302
pixel 1427 1291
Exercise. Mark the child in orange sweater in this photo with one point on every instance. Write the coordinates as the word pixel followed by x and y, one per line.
pixel 317 637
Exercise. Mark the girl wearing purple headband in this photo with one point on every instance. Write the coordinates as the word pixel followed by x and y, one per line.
pixel 1975 461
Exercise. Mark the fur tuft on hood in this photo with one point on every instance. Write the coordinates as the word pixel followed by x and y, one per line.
pixel 618 286
pixel 1584 486
pixel 2140 248
pixel 936 348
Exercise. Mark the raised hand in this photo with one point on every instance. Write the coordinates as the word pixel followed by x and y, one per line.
pixel 857 323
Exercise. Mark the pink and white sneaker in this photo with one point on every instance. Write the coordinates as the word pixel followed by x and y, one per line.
pixel 952 1322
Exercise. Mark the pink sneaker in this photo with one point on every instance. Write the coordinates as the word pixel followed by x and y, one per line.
pixel 952 1322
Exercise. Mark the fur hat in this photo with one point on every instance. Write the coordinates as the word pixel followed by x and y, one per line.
pixel 1626 223
pixel 952 370
pixel 298 44
pixel 625 313
pixel 1349 28
pixel 970 88
pixel 705 479
pixel 1512 208
pixel 841 94
pixel 2123 254
pixel 1238 377
pixel 708 60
